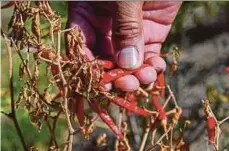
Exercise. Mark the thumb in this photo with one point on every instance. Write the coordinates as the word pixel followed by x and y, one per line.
pixel 127 34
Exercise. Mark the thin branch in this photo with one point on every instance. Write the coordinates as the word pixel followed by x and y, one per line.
pixel 153 136
pixel 13 112
pixel 218 132
pixel 145 136
pixel 52 130
pixel 171 139
pixel 69 29
pixel 6 114
pixel 22 59
pixel 65 104
pixel 223 120
pixel 167 101
pixel 160 139
pixel 172 95
pixel 120 117
pixel 28 71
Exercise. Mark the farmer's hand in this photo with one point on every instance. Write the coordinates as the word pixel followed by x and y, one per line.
pixel 128 33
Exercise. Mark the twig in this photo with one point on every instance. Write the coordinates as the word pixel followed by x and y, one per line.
pixel 145 136
pixel 13 113
pixel 120 117
pixel 153 136
pixel 6 114
pixel 223 120
pixel 172 95
pixel 22 59
pixel 69 29
pixel 52 130
pixel 65 105
pixel 160 139
pixel 28 71
pixel 119 124
pixel 167 101
pixel 218 132
pixel 171 139
pixel 51 27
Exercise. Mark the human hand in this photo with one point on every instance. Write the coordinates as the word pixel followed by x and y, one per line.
pixel 128 33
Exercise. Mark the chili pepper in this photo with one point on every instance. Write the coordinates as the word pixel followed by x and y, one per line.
pixel 211 125
pixel 162 117
pixel 160 83
pixel 129 106
pixel 159 107
pixel 28 101
pixel 118 73
pixel 106 118
pixel 106 64
pixel 79 109
pixel 7 5
pixel 211 121
pixel 123 146
pixel 132 99
pixel 185 147
pixel 182 146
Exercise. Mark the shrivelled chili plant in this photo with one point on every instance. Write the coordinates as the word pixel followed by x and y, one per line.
pixel 76 80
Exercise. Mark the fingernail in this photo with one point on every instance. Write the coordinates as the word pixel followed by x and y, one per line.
pixel 128 57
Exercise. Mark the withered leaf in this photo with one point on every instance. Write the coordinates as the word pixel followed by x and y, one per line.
pixel 36 29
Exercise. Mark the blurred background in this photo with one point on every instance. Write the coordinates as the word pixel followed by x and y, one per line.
pixel 200 31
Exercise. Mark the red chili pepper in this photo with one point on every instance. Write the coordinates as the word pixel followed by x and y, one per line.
pixel 79 109
pixel 59 94
pixel 118 73
pixel 185 147
pixel 159 107
pixel 46 117
pixel 106 64
pixel 129 106
pixel 161 83
pixel 211 125
pixel 7 5
pixel 55 69
pixel 226 69
pixel 106 118
pixel 27 101
pixel 133 100
pixel 162 117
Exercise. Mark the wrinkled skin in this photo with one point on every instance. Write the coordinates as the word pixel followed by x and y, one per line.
pixel 109 27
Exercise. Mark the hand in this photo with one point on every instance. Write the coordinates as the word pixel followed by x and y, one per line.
pixel 128 33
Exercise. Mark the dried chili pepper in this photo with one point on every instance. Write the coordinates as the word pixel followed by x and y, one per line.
pixel 106 118
pixel 79 109
pixel 159 107
pixel 161 83
pixel 211 126
pixel 129 106
pixel 106 64
pixel 211 121
pixel 162 117
pixel 7 5
pixel 132 99
pixel 118 73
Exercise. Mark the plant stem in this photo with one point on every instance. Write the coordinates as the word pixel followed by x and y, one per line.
pixel 65 104
pixel 223 120
pixel 145 137
pixel 12 115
